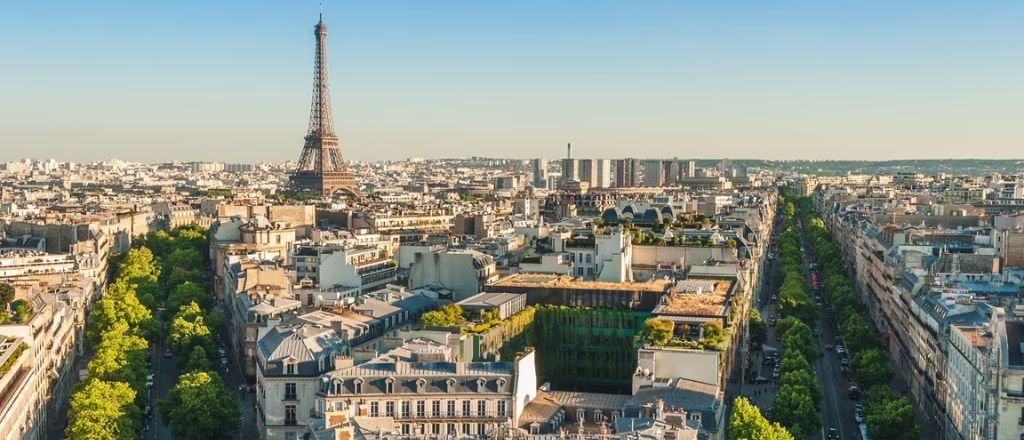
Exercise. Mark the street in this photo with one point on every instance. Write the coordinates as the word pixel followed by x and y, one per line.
pixel 837 409
pixel 166 375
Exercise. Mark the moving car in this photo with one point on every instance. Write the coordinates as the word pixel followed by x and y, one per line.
pixel 833 434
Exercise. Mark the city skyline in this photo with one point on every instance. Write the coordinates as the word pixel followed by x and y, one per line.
pixel 739 80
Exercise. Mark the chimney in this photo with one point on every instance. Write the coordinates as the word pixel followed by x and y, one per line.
pixel 660 410
pixel 341 361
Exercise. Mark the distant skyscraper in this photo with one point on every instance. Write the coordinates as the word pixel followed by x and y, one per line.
pixel 670 172
pixel 691 168
pixel 602 173
pixel 540 173
pixel 627 173
pixel 570 170
pixel 586 171
pixel 653 173
pixel 321 168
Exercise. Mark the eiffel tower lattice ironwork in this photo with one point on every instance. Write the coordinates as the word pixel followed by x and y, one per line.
pixel 321 168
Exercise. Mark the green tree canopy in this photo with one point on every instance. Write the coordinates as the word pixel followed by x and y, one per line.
pixel 119 305
pixel 185 293
pixel 6 294
pixel 794 409
pixel 102 410
pixel 188 330
pixel 138 263
pixel 758 328
pixel 200 408
pixel 870 367
pixel 120 357
pixel 747 423
pixel 448 316
pixel 890 417
pixel 198 360
pixel 659 331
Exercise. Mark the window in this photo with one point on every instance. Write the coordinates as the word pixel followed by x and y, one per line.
pixel 289 368
pixel 435 428
pixel 481 429
pixel 466 428
pixel 435 408
pixel 389 386
pixel 695 416
pixel 467 410
pixel 289 436
pixel 405 429
pixel 374 409
pixel 338 385
pixel 389 409
pixel 451 408
pixel 421 409
pixel 588 258
pixel 481 408
pixel 289 392
pixel 501 408
pixel 406 409
pixel 357 386
pixel 289 415
pixel 451 429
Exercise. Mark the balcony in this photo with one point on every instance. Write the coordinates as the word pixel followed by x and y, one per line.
pixel 490 416
pixel 367 268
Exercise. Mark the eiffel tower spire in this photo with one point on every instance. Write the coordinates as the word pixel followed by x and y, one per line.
pixel 321 168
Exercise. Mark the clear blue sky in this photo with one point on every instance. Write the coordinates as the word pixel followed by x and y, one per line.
pixel 231 80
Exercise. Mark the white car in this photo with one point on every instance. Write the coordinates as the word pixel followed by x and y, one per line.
pixel 149 380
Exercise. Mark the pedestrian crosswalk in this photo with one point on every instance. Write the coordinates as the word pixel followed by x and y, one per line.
pixel 248 413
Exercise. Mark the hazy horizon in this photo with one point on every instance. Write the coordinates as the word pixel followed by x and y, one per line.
pixel 231 81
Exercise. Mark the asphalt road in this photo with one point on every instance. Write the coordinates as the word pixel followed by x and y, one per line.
pixel 837 410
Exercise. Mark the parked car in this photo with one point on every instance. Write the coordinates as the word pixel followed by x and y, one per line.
pixel 854 393
pixel 167 353
pixel 149 380
pixel 844 361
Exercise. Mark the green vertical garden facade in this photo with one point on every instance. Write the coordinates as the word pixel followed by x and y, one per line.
pixel 583 349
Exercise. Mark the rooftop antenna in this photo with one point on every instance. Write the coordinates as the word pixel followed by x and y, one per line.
pixel 321 12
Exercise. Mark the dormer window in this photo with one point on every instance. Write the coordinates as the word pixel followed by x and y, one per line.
pixel 289 367
pixel 389 385
pixel 339 387
pixel 501 384
pixel 357 385
pixel 421 385
pixel 451 384
pixel 481 384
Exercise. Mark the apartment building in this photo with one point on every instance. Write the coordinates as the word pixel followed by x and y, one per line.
pixel 426 393
pixel 366 268
pixel 464 272
pixel 42 348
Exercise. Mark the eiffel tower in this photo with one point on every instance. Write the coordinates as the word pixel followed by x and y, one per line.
pixel 321 169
